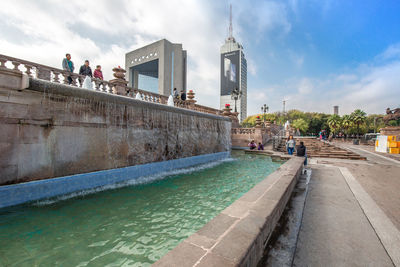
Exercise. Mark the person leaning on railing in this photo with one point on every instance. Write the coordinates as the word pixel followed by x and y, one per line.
pixel 68 65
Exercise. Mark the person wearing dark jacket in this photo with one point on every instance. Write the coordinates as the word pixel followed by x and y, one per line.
pixel 301 151
pixel 85 69
pixel 183 95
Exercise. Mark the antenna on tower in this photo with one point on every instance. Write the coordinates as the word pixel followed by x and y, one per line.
pixel 230 22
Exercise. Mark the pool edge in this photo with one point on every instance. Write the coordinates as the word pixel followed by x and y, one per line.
pixel 16 194
pixel 238 235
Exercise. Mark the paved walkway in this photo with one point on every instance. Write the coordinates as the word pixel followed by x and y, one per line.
pixel 351 216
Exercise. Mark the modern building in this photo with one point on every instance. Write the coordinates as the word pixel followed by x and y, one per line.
pixel 158 67
pixel 336 110
pixel 233 74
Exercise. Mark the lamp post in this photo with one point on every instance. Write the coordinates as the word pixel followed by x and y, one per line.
pixel 235 95
pixel 264 109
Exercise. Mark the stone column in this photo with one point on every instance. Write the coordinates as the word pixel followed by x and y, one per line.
pixel 258 122
pixel 119 84
pixel 13 79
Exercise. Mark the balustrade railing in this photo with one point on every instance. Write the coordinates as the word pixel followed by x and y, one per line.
pixel 39 71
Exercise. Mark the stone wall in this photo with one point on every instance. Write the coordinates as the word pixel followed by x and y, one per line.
pixel 241 137
pixel 51 130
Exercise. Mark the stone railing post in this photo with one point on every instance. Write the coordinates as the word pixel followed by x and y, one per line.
pixel 119 83
pixel 42 73
pixel 258 122
pixel 13 79
pixel 190 97
pixel 227 111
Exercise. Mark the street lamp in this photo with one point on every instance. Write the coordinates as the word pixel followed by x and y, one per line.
pixel 235 95
pixel 264 109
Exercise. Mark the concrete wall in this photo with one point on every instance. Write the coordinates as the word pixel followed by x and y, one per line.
pixel 53 130
pixel 164 50
pixel 239 234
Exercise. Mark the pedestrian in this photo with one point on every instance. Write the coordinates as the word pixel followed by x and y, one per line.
pixel 183 95
pixel 260 146
pixel 301 151
pixel 68 66
pixel 252 145
pixel 175 94
pixel 98 74
pixel 290 145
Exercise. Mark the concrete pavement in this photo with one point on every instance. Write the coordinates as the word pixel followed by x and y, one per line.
pixel 335 231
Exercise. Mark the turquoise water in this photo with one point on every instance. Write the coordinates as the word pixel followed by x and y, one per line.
pixel 129 226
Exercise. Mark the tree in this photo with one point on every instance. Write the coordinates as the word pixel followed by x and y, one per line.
pixel 334 122
pixel 347 123
pixel 358 118
pixel 300 124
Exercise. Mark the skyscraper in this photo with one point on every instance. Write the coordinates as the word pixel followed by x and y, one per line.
pixel 233 74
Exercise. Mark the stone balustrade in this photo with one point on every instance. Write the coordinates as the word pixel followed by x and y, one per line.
pixel 39 71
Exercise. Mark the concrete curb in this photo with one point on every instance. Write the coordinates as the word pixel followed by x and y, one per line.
pixel 238 235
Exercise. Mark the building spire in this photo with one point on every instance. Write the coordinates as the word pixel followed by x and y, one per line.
pixel 230 23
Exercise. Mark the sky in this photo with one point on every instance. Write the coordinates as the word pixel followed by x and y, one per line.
pixel 314 54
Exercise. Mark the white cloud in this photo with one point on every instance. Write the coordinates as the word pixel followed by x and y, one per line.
pixel 103 31
pixel 305 86
pixel 251 67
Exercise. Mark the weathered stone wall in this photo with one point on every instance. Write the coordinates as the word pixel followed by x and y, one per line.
pixel 51 130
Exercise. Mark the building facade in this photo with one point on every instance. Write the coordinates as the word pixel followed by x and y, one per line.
pixel 233 76
pixel 158 67
pixel 336 110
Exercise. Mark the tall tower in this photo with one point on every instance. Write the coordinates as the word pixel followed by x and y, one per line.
pixel 336 110
pixel 233 73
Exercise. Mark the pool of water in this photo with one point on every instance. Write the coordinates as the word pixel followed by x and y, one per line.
pixel 133 225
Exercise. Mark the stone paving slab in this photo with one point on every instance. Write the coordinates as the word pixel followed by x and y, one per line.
pixel 335 230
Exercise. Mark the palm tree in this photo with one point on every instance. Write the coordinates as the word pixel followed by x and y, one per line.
pixel 334 122
pixel 358 118
pixel 347 123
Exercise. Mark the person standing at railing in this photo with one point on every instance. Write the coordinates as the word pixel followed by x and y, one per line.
pixel 68 65
pixel 175 94
pixel 183 95
pixel 98 74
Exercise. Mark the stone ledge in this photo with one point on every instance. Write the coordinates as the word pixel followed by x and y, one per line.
pixel 239 234
pixel 72 91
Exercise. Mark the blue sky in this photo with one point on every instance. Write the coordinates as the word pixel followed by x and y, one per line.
pixel 315 54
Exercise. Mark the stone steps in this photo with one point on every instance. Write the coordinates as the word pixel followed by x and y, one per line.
pixel 316 148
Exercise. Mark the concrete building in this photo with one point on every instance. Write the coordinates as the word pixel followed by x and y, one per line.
pixel 233 74
pixel 336 110
pixel 158 67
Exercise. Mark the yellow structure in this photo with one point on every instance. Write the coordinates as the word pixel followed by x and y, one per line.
pixel 387 144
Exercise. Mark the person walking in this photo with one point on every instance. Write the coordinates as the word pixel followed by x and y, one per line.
pixel 290 145
pixel 68 66
pixel 301 151
pixel 98 74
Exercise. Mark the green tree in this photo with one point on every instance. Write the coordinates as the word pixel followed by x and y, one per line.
pixel 334 122
pixel 347 123
pixel 358 118
pixel 301 124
